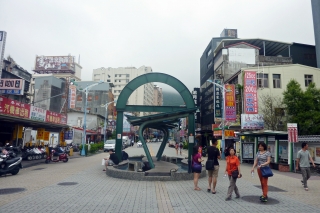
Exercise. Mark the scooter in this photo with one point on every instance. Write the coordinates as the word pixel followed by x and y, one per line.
pixel 11 166
pixel 61 157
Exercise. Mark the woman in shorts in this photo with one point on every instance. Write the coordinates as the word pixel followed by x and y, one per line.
pixel 196 167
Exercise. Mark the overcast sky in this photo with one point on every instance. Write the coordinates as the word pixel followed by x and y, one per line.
pixel 168 35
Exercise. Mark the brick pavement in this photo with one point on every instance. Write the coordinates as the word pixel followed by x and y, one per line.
pixel 95 192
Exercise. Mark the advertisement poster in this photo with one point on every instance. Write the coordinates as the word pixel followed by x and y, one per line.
pixel 247 151
pixel 14 108
pixel 37 114
pixel 230 102
pixel 250 121
pixel 217 100
pixel 250 92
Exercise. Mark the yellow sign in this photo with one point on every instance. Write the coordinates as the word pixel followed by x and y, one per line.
pixel 61 136
pixel 40 133
pixel 18 128
pixel 46 136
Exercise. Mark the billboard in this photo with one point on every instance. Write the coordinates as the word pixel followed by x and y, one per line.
pixel 250 92
pixel 14 108
pixel 3 36
pixel 37 114
pixel 11 86
pixel 217 101
pixel 250 121
pixel 72 96
pixel 54 63
pixel 242 55
pixel 230 102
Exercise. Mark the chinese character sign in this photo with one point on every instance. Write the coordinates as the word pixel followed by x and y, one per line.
pixel 230 102
pixel 14 108
pixel 250 121
pixel 53 117
pixel 292 132
pixel 72 96
pixel 217 99
pixel 37 114
pixel 250 92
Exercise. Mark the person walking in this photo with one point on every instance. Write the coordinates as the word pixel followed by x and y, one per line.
pixel 233 172
pixel 213 155
pixel 177 147
pixel 180 148
pixel 196 167
pixel 303 158
pixel 263 158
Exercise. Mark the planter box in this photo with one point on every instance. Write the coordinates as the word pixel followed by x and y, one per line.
pixel 284 168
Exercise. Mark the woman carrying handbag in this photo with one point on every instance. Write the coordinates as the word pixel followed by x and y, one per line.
pixel 196 167
pixel 263 159
pixel 233 172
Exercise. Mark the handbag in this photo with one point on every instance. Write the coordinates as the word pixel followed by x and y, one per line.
pixel 235 174
pixel 209 165
pixel 197 166
pixel 266 171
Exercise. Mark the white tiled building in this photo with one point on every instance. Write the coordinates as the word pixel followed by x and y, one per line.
pixel 120 77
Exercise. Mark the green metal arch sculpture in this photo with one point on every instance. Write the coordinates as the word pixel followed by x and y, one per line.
pixel 144 79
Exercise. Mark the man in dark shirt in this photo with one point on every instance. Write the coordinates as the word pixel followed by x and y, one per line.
pixel 113 159
pixel 213 154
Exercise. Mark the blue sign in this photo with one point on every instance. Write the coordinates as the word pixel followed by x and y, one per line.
pixel 11 92
pixel 68 135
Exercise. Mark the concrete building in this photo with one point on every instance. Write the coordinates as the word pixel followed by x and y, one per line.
pixel 232 54
pixel 120 77
pixel 157 96
pixel 316 25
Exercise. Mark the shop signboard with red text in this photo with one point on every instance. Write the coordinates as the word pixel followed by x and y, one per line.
pixel 14 108
pixel 230 102
pixel 250 92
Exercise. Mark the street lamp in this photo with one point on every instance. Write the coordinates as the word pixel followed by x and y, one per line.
pixel 105 118
pixel 84 138
pixel 223 114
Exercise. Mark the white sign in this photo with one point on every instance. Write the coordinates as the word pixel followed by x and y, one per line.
pixel 191 139
pixel 3 36
pixel 118 136
pixel 8 83
pixel 37 114
pixel 242 55
pixel 252 121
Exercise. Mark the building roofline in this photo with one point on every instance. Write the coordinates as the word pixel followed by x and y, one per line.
pixel 282 65
pixel 232 45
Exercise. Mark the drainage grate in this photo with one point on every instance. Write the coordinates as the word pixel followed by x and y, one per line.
pixel 272 189
pixel 39 168
pixel 67 183
pixel 256 200
pixel 11 190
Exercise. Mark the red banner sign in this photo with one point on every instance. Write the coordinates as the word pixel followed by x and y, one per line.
pixel 14 108
pixel 53 117
pixel 292 132
pixel 250 92
pixel 230 102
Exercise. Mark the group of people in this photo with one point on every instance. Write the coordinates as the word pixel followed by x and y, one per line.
pixel 233 168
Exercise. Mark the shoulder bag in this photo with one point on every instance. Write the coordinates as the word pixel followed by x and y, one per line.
pixel 210 165
pixel 266 171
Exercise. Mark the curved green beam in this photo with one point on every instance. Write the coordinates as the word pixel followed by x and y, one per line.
pixel 144 144
pixel 144 79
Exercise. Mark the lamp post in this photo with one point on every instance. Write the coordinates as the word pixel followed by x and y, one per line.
pixel 223 114
pixel 84 137
pixel 105 118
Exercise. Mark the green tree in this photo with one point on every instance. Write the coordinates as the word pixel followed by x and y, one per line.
pixel 272 109
pixel 303 107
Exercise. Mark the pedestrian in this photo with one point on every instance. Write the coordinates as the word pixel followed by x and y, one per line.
pixel 112 160
pixel 303 158
pixel 213 155
pixel 263 159
pixel 180 148
pixel 233 172
pixel 196 167
pixel 177 147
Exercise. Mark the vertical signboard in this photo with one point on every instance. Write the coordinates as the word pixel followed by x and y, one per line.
pixel 230 102
pixel 3 36
pixel 250 93
pixel 72 96
pixel 217 101
pixel 292 132
pixel 40 133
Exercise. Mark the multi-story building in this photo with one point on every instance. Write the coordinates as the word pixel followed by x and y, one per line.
pixel 120 77
pixel 157 96
pixel 230 55
pixel 316 25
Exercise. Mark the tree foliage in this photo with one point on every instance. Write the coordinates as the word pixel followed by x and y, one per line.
pixel 303 107
pixel 272 110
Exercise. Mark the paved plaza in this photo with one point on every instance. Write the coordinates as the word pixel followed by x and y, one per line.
pixel 81 186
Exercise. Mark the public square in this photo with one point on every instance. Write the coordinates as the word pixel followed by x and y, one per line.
pixel 81 186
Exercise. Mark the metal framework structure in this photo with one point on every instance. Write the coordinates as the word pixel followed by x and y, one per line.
pixel 155 121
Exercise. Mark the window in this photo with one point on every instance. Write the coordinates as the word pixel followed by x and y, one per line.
pixel 115 80
pixel 127 80
pixel 262 80
pixel 279 111
pixel 119 80
pixel 108 81
pixel 307 79
pixel 209 64
pixel 127 75
pixel 119 75
pixel 276 81
pixel 209 52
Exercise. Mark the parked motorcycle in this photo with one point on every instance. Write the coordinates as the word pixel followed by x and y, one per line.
pixel 9 166
pixel 57 156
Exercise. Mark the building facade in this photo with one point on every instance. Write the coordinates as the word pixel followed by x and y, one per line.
pixel 157 96
pixel 316 25
pixel 120 77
